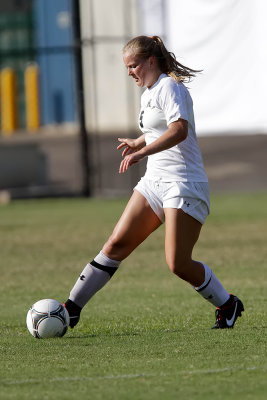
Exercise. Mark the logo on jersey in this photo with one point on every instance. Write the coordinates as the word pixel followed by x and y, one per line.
pixel 141 116
pixel 141 119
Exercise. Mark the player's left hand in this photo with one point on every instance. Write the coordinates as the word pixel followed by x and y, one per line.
pixel 129 160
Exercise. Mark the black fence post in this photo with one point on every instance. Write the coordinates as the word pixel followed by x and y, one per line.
pixel 84 140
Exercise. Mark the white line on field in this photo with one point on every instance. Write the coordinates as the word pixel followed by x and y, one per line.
pixel 114 377
pixel 219 370
pixel 76 378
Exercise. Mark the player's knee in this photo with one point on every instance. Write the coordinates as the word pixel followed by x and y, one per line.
pixel 114 248
pixel 111 246
pixel 178 267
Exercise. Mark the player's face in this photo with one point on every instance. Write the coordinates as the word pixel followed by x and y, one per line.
pixel 141 70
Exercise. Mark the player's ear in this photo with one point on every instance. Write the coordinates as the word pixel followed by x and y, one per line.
pixel 151 61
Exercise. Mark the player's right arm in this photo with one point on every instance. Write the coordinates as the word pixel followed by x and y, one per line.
pixel 131 145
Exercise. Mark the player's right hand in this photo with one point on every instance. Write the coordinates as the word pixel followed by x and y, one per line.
pixel 129 146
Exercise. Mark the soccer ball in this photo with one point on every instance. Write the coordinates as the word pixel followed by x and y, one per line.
pixel 47 318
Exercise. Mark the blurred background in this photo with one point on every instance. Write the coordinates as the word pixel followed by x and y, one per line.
pixel 65 96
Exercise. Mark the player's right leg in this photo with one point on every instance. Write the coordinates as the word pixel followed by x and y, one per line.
pixel 137 222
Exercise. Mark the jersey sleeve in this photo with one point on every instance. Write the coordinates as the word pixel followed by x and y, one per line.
pixel 173 102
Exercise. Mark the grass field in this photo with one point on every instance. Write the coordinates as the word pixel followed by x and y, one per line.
pixel 147 334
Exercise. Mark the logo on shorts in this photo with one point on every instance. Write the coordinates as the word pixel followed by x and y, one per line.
pixel 186 203
pixel 209 297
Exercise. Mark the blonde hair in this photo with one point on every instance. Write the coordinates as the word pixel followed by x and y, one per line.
pixel 147 46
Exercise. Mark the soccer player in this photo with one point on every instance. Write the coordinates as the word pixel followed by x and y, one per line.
pixel 173 190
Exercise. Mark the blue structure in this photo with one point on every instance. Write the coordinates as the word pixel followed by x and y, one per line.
pixel 53 41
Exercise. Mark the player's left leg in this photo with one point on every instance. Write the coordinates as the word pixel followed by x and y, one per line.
pixel 181 234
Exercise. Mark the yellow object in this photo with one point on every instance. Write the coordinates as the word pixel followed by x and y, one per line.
pixel 8 101
pixel 32 97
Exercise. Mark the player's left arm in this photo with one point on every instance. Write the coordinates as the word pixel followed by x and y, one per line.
pixel 176 133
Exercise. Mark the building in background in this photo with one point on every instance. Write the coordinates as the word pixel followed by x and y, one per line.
pixel 224 39
pixel 17 45
pixel 40 32
pixel 99 102
pixel 111 101
pixel 53 41
pixel 50 159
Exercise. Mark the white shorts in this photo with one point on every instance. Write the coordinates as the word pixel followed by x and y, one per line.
pixel 191 197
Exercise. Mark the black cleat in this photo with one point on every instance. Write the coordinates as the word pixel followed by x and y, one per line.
pixel 228 314
pixel 74 312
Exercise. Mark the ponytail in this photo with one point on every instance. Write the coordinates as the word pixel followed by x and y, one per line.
pixel 145 47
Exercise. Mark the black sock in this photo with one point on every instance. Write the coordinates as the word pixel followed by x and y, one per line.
pixel 228 303
pixel 72 308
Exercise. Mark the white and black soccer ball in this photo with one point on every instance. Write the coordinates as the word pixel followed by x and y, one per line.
pixel 47 318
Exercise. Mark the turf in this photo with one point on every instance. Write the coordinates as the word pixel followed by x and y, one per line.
pixel 146 334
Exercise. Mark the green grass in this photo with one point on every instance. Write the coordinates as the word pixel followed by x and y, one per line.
pixel 146 334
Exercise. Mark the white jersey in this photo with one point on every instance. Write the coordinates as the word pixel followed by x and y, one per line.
pixel 161 104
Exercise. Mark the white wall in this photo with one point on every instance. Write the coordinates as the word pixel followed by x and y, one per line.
pixel 152 17
pixel 227 39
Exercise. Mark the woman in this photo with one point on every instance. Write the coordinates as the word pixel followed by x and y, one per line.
pixel 174 188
